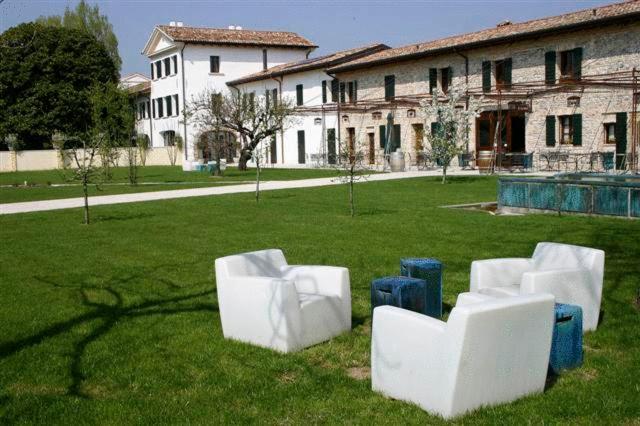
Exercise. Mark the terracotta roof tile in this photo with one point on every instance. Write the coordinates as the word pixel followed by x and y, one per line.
pixel 508 31
pixel 312 63
pixel 238 37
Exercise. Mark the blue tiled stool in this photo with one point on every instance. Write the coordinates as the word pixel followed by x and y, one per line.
pixel 429 270
pixel 566 346
pixel 403 292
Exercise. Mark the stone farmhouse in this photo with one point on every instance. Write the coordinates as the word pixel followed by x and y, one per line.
pixel 563 88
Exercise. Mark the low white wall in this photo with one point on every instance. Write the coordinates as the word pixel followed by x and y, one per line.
pixel 47 159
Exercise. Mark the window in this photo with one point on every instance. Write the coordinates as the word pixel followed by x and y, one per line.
pixel 324 91
pixel 610 133
pixel 174 59
pixel 571 64
pixel 158 69
pixel 503 73
pixel 299 95
pixel 343 95
pixel 389 87
pixel 353 92
pixel 445 79
pixel 167 66
pixel 301 147
pixel 264 59
pixel 214 64
pixel 175 101
pixel 160 107
pixel 167 100
pixel 335 83
pixel 566 129
pixel 433 80
pixel 168 137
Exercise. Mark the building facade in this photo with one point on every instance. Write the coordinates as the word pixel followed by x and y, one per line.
pixel 186 61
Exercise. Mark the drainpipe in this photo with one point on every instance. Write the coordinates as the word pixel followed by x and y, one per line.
pixel 281 130
pixel 184 102
pixel 466 103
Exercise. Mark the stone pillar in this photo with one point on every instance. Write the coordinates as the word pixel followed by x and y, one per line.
pixel 12 143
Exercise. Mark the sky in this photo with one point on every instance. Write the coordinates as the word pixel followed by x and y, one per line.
pixel 330 24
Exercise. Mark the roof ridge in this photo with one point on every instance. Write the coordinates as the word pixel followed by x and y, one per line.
pixel 228 29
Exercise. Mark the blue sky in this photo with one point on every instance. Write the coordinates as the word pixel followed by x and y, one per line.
pixel 333 25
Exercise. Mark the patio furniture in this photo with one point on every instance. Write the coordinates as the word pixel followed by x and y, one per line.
pixel 573 274
pixel 402 292
pixel 429 270
pixel 465 160
pixel 566 345
pixel 266 302
pixel 485 354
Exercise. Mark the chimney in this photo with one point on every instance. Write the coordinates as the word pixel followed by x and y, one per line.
pixel 179 23
pixel 172 23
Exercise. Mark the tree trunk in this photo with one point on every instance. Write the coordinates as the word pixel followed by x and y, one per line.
pixel 245 156
pixel 351 205
pixel 86 201
pixel 257 181
pixel 444 174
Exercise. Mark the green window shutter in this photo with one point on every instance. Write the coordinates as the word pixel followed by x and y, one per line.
pixel 383 136
pixel 355 91
pixel 301 147
pixel 486 76
pixel 343 90
pixel 450 75
pixel 299 96
pixel 389 87
pixel 577 63
pixel 577 129
pixel 551 130
pixel 436 128
pixel 433 79
pixel 395 143
pixel 621 132
pixel 334 90
pixel 324 91
pixel 508 67
pixel 550 67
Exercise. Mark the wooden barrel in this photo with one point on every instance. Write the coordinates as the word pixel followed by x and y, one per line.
pixel 483 161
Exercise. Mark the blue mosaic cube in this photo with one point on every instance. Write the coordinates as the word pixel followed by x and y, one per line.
pixel 403 292
pixel 429 270
pixel 566 346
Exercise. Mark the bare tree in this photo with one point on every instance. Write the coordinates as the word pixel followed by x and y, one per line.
pixel 351 167
pixel 451 126
pixel 176 144
pixel 254 118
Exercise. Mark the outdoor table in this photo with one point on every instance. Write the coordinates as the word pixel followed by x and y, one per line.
pixel 402 292
pixel 429 270
pixel 566 344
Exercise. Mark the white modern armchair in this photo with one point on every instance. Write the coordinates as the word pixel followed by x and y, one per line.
pixel 573 274
pixel 266 302
pixel 487 353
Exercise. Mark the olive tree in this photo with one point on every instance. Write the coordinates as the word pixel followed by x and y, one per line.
pixel 452 114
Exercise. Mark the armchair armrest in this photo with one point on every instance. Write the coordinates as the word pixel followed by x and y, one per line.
pixel 319 279
pixel 562 283
pixel 408 351
pixel 498 272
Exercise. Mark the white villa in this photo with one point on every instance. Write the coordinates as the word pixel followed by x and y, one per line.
pixel 185 61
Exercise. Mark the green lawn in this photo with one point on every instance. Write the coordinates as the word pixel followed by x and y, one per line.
pixel 151 178
pixel 117 322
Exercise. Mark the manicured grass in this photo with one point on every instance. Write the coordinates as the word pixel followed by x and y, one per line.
pixel 151 178
pixel 117 322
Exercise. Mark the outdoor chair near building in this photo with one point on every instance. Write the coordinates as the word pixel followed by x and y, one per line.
pixel 573 274
pixel 266 302
pixel 487 353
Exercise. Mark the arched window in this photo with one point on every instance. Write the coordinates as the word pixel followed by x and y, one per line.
pixel 168 136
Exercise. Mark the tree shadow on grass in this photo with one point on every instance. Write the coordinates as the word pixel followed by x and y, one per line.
pixel 109 314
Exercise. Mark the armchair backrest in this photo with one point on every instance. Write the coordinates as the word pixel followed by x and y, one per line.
pixel 501 348
pixel 263 263
pixel 548 256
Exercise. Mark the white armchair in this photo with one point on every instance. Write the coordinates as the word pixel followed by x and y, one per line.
pixel 573 274
pixel 488 352
pixel 265 301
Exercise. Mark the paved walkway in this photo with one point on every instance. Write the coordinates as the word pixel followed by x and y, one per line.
pixel 69 203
